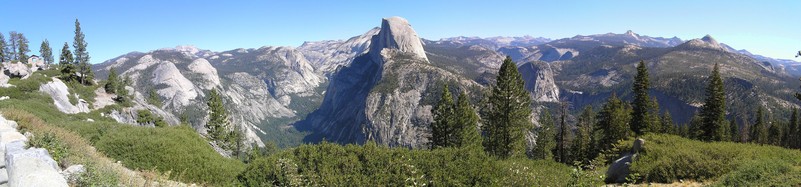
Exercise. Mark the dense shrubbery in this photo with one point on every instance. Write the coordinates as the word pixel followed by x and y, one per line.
pixel 669 158
pixel 177 149
pixel 330 164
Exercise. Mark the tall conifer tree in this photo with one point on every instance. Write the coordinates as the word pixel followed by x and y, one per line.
pixel 508 116
pixel 640 106
pixel 713 112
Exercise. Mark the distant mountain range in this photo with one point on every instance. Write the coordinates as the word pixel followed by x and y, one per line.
pixel 381 85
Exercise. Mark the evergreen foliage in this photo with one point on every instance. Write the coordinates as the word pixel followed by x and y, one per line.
pixel 509 113
pixel 145 117
pixel 112 82
pixel 713 112
pixel 442 127
pixel 13 46
pixel 640 118
pixel 65 60
pixel 667 124
pixel 613 123
pixel 582 141
pixel 563 138
pixel 4 56
pixel 153 98
pixel 46 52
pixel 759 133
pixel 466 126
pixel 219 125
pixel 546 135
pixel 22 48
pixel 82 56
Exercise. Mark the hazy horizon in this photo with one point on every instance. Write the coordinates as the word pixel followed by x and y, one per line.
pixel 116 28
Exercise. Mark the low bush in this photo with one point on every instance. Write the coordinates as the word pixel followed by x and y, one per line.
pixel 328 164
pixel 670 158
pixel 178 150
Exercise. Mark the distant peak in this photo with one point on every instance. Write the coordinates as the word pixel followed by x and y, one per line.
pixel 397 33
pixel 709 39
pixel 630 33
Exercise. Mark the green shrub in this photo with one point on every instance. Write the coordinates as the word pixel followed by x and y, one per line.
pixel 761 172
pixel 54 146
pixel 177 149
pixel 328 164
pixel 670 158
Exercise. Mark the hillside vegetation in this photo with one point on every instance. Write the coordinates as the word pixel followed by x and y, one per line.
pixel 177 152
pixel 669 158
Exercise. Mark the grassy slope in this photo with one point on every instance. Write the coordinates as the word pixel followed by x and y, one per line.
pixel 175 150
pixel 669 158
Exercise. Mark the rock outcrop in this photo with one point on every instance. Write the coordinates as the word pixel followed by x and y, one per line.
pixel 619 169
pixel 327 56
pixel 17 70
pixel 25 167
pixel 538 78
pixel 396 33
pixel 60 94
pixel 382 95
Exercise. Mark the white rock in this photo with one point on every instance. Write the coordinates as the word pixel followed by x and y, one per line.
pixel 207 72
pixel 179 90
pixel 73 171
pixel 90 120
pixel 60 94
pixel 17 70
pixel 397 33
pixel 4 98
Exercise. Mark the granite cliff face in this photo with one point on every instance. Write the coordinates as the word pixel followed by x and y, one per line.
pixel 538 78
pixel 258 84
pixel 385 95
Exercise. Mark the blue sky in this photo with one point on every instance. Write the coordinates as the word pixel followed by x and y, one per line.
pixel 113 28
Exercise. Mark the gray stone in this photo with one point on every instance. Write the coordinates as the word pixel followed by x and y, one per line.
pixel 60 94
pixel 32 167
pixel 539 82
pixel 3 176
pixel 19 70
pixel 73 171
pixel 619 170
pixel 396 33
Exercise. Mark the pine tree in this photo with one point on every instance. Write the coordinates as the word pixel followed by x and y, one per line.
pixel 613 122
pixel 775 133
pixel 563 137
pixel 466 123
pixel 65 61
pixel 111 82
pixel 123 97
pixel 4 56
pixel 713 112
pixel 694 129
pixel 218 118
pixel 745 131
pixel 508 116
pixel 655 121
pixel 153 98
pixel 82 56
pixel 13 46
pixel 641 104
pixel 46 52
pixel 441 128
pixel 581 143
pixel 792 131
pixel 667 123
pixel 759 132
pixel 735 130
pixel 22 47
pixel 545 143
